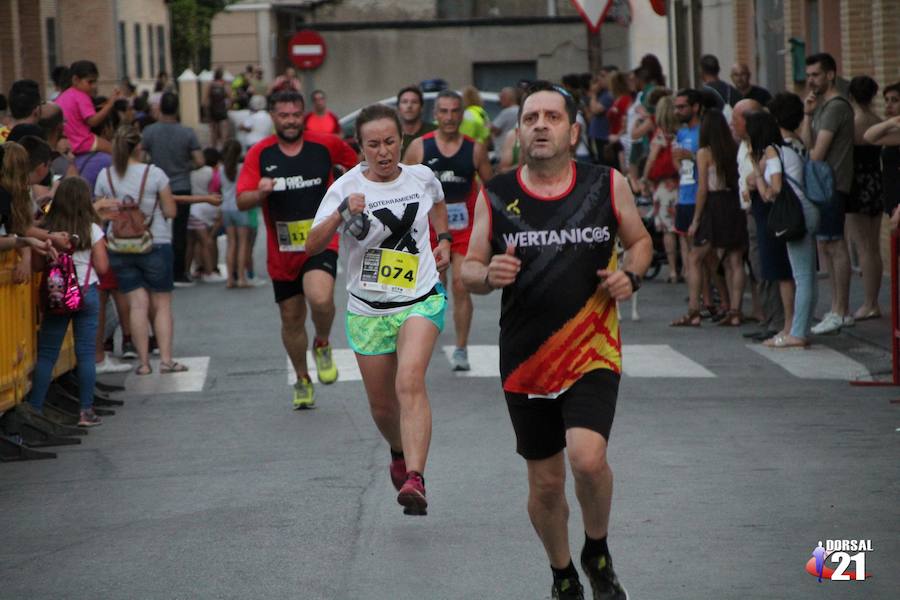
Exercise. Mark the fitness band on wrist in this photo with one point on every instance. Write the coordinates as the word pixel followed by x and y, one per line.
pixel 445 236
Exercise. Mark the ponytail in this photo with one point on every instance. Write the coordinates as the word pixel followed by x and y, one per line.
pixel 126 139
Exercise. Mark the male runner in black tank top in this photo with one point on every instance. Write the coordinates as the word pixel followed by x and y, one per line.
pixel 546 233
pixel 455 159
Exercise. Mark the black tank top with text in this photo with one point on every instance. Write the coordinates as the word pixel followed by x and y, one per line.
pixel 556 323
pixel 456 173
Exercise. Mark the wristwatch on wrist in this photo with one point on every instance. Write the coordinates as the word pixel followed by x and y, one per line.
pixel 635 280
pixel 445 236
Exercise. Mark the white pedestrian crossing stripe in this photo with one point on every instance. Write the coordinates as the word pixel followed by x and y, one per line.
pixel 660 360
pixel 815 362
pixel 639 360
pixel 656 361
pixel 155 383
pixel 484 360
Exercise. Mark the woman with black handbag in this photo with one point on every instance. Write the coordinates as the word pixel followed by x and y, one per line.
pixel 792 218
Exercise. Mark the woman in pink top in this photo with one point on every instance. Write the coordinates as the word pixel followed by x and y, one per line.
pixel 78 109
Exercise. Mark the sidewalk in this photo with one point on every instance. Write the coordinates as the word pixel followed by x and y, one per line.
pixel 876 332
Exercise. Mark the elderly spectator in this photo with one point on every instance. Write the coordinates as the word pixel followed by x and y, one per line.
pixel 740 77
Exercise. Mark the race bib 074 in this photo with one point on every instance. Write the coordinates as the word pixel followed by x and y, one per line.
pixel 385 270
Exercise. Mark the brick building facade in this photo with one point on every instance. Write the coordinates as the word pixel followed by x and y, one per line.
pixel 862 35
pixel 125 38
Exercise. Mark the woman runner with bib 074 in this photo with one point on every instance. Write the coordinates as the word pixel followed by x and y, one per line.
pixel 396 303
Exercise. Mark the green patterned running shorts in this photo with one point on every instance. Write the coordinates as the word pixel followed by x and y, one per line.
pixel 378 335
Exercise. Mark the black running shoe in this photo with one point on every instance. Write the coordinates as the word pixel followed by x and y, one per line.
pixel 567 589
pixel 603 578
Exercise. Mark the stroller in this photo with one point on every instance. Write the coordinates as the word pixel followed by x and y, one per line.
pixel 645 208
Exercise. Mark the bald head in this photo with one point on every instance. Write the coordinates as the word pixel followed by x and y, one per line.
pixel 739 116
pixel 508 97
pixel 740 77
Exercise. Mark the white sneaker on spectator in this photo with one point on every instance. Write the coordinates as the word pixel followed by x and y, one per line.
pixel 830 323
pixel 848 321
pixel 256 281
pixel 212 278
pixel 107 365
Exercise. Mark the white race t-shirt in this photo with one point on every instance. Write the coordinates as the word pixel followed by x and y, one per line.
pixel 130 185
pixel 83 257
pixel 394 263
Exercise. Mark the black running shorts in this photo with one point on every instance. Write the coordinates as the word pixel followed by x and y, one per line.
pixel 326 261
pixel 541 423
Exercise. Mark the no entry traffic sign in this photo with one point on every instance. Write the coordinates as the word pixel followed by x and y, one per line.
pixel 307 49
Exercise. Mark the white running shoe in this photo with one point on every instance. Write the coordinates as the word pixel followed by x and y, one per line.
pixel 830 323
pixel 213 278
pixel 460 360
pixel 110 366
pixel 848 321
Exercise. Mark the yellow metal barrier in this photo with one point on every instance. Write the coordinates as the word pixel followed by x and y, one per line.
pixel 19 321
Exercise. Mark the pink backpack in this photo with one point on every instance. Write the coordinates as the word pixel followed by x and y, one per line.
pixel 59 289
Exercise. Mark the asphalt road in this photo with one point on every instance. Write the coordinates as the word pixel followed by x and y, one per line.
pixel 729 468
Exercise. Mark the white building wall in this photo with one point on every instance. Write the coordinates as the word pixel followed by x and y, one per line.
pixel 648 34
pixel 717 33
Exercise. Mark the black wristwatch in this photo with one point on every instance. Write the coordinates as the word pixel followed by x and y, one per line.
pixel 445 236
pixel 635 281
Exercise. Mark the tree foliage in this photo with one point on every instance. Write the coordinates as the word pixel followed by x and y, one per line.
pixel 191 20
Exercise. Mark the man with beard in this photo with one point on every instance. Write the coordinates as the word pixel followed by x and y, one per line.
pixel 827 133
pixel 288 174
pixel 409 107
pixel 546 234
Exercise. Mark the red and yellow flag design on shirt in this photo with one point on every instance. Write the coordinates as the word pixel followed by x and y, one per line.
pixel 588 341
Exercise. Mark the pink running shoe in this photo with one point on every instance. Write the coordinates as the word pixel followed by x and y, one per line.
pixel 412 495
pixel 398 472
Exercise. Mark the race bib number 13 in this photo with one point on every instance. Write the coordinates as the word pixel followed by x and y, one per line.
pixel 292 235
pixel 387 270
